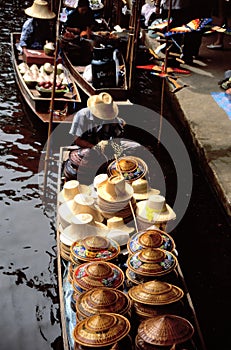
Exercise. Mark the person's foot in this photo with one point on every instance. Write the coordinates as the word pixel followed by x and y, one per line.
pixel 215 46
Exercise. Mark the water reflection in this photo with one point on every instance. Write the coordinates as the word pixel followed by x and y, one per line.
pixel 28 279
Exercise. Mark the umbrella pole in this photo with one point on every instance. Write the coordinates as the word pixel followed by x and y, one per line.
pixel 48 145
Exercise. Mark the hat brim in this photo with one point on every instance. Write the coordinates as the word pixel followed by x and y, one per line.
pixel 98 112
pixel 123 228
pixel 30 12
pixel 102 192
pixel 167 215
pixel 146 195
pixel 82 189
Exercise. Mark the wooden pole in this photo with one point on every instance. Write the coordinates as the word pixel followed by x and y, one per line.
pixel 48 146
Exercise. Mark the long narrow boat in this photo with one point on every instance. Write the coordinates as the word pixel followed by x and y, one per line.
pixel 64 106
pixel 120 94
pixel 196 342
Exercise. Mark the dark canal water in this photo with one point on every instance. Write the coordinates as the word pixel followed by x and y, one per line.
pixel 29 309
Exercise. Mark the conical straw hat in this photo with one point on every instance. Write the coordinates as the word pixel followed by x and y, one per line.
pixel 132 168
pixel 165 330
pixel 100 300
pixel 98 274
pixel 152 262
pixel 40 10
pixel 101 330
pixel 95 248
pixel 155 293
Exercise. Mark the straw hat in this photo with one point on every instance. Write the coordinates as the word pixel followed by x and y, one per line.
pixel 71 189
pixel 97 274
pixel 115 189
pixel 117 223
pixel 81 204
pixel 156 293
pixel 94 248
pixel 40 10
pixel 132 168
pixel 100 300
pixel 152 262
pixel 121 237
pixel 151 238
pixel 142 190
pixel 155 209
pixel 101 330
pixel 82 225
pixel 165 330
pixel 102 106
pixel 99 179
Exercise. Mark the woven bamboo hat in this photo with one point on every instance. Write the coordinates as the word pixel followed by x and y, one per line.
pixel 151 238
pixel 132 168
pixel 102 106
pixel 98 274
pixel 156 293
pixel 101 330
pixel 115 189
pixel 155 209
pixel 100 300
pixel 95 248
pixel 71 189
pixel 165 330
pixel 40 10
pixel 152 262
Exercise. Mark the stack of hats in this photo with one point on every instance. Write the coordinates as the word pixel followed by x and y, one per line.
pixel 119 231
pixel 163 331
pixel 153 211
pixel 106 331
pixel 151 238
pixel 94 248
pixel 155 298
pixel 101 300
pixel 80 204
pixel 148 264
pixel 71 189
pixel 131 168
pixel 96 274
pixel 115 197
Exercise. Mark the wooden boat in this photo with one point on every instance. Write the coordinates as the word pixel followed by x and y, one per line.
pixel 120 94
pixel 64 106
pixel 195 343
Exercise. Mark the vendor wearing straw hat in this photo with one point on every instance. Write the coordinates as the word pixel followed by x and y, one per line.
pixel 37 29
pixel 99 121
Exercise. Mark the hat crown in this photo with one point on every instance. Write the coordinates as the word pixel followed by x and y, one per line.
pixel 115 222
pixel 40 10
pixel 140 186
pixel 116 186
pixel 157 203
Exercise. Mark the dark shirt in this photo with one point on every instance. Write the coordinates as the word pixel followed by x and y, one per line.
pixel 35 34
pixel 80 21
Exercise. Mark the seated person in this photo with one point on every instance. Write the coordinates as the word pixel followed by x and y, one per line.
pixel 37 30
pixel 80 21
